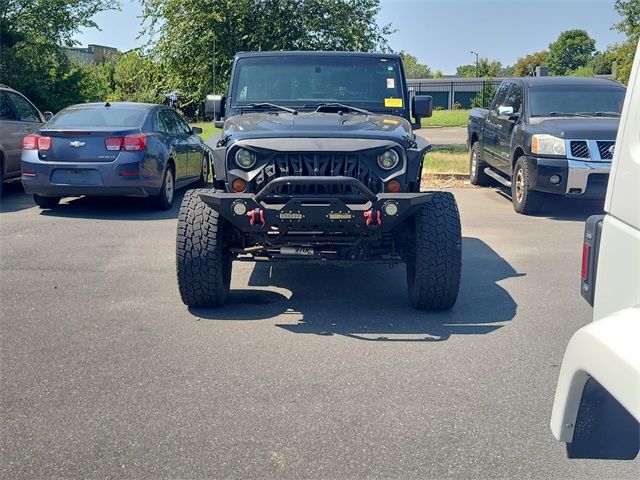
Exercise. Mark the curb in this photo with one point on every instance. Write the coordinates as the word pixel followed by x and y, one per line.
pixel 456 176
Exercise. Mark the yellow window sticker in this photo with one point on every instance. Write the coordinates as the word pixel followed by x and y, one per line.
pixel 393 102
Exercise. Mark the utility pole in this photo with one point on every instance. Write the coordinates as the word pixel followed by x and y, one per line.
pixel 476 54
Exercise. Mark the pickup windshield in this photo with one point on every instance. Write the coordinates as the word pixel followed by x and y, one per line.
pixel 572 100
pixel 296 81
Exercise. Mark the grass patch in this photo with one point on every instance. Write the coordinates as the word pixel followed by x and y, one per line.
pixel 447 159
pixel 447 118
pixel 208 130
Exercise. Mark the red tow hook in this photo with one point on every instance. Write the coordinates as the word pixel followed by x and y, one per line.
pixel 373 219
pixel 254 214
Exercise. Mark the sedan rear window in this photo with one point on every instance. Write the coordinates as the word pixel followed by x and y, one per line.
pixel 98 117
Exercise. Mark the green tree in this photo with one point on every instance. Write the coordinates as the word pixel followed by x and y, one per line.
pixel 601 64
pixel 526 66
pixel 486 68
pixel 484 97
pixel 412 68
pixel 438 74
pixel 622 54
pixel 186 29
pixel 32 33
pixel 572 49
pixel 137 79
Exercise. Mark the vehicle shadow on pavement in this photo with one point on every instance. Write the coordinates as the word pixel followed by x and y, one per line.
pixel 561 208
pixel 371 303
pixel 114 208
pixel 14 199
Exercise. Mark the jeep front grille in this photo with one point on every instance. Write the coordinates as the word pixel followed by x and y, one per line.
pixel 319 164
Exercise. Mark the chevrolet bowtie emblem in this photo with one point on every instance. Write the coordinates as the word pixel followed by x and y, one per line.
pixel 76 144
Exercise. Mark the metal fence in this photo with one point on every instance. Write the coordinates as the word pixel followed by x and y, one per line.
pixel 446 94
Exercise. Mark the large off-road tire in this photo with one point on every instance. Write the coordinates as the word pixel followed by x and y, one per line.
pixel 204 172
pixel 202 258
pixel 164 199
pixel 46 202
pixel 435 259
pixel 476 167
pixel 525 200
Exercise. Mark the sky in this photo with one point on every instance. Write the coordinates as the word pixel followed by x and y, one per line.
pixel 441 33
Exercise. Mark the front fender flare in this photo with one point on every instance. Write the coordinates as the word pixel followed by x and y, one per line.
pixel 606 350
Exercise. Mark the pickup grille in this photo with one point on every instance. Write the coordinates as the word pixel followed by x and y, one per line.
pixel 579 149
pixel 319 164
pixel 606 152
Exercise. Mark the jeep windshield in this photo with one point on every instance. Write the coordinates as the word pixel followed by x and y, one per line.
pixel 575 100
pixel 305 82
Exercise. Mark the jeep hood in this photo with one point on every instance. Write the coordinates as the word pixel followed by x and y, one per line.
pixel 317 124
pixel 580 128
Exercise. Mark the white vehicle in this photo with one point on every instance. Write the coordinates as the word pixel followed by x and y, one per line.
pixel 597 403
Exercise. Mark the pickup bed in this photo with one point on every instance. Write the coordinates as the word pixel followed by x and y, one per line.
pixel 546 135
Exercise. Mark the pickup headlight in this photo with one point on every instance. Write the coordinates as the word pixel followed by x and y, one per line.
pixel 388 159
pixel 544 144
pixel 245 159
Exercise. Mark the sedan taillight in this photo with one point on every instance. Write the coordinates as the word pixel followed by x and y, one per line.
pixel 135 143
pixel 113 143
pixel 36 142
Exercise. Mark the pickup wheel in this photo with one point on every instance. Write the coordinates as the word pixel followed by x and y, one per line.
pixel 202 259
pixel 476 167
pixel 525 200
pixel 434 263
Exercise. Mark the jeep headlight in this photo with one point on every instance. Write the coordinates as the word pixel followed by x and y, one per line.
pixel 245 158
pixel 544 144
pixel 388 159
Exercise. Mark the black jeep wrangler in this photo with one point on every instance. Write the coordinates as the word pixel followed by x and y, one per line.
pixel 318 163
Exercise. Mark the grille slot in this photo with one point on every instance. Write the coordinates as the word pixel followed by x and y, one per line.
pixel 318 164
pixel 579 149
pixel 603 148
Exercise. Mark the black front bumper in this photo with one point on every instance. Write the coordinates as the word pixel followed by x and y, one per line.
pixel 366 213
pixel 577 178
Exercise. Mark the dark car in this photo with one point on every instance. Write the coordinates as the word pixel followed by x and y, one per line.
pixel 132 149
pixel 547 135
pixel 18 117
pixel 318 163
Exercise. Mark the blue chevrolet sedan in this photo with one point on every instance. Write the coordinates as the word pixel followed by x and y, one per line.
pixel 117 148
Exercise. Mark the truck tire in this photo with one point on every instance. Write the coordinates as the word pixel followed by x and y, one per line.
pixel 525 200
pixel 202 260
pixel 46 202
pixel 476 167
pixel 435 257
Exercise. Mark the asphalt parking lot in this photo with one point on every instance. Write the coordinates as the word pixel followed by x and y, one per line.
pixel 310 372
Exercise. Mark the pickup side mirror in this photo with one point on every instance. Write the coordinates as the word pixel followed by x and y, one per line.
pixel 505 111
pixel 48 115
pixel 214 107
pixel 421 106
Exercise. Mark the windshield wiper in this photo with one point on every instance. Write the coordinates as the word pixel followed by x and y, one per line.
pixel 292 111
pixel 566 114
pixel 606 114
pixel 344 106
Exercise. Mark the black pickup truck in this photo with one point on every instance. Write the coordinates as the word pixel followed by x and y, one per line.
pixel 546 135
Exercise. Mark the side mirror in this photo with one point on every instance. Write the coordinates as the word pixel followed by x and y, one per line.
pixel 421 106
pixel 505 111
pixel 48 115
pixel 214 107
pixel 218 123
pixel 196 130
